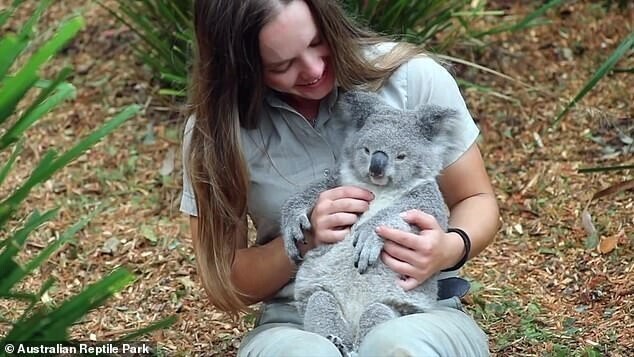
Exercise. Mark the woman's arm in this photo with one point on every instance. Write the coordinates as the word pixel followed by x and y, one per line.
pixel 259 271
pixel 468 193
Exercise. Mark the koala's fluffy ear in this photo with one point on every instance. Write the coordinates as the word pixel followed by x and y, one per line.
pixel 438 123
pixel 358 105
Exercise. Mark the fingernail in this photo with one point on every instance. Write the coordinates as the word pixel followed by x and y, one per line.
pixel 403 214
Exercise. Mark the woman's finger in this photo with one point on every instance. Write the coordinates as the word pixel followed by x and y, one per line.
pixel 347 192
pixel 399 267
pixel 349 205
pixel 408 283
pixel 399 252
pixel 331 236
pixel 423 220
pixel 338 220
pixel 406 239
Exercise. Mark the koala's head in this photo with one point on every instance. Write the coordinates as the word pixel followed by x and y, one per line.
pixel 391 146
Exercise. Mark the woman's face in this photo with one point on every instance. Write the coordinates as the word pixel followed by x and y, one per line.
pixel 295 57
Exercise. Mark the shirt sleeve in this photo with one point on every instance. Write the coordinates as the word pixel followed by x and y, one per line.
pixel 188 202
pixel 428 82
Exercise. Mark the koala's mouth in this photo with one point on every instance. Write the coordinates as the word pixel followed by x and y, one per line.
pixel 379 180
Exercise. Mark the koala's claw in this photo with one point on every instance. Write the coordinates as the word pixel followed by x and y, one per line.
pixel 367 249
pixel 305 225
pixel 293 233
pixel 338 342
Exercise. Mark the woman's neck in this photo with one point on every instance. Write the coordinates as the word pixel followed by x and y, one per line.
pixel 309 108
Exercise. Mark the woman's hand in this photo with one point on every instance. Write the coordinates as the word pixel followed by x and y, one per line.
pixel 417 256
pixel 335 211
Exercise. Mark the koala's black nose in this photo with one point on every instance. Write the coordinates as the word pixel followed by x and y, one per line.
pixel 378 163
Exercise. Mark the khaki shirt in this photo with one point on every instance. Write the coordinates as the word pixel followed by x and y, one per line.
pixel 285 153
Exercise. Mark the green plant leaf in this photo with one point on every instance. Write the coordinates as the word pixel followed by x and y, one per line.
pixel 96 136
pixel 605 68
pixel 10 46
pixel 5 14
pixel 605 168
pixel 43 289
pixel 51 163
pixel 10 204
pixel 528 21
pixel 42 105
pixel 164 323
pixel 15 243
pixel 4 172
pixel 173 92
pixel 28 75
pixel 53 325
pixel 17 275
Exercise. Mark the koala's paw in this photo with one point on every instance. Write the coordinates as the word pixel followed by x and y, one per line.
pixel 293 232
pixel 338 342
pixel 367 247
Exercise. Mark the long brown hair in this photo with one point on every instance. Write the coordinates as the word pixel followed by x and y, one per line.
pixel 226 94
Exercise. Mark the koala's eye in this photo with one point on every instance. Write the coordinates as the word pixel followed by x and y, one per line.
pixel 400 156
pixel 366 150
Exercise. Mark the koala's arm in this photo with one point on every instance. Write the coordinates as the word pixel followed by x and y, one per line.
pixel 296 211
pixel 368 244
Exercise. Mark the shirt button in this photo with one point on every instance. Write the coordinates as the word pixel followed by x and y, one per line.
pixel 326 172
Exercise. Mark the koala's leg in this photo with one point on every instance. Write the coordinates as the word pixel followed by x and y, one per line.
pixel 373 315
pixel 324 316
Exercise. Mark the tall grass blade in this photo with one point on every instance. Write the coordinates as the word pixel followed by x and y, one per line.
pixel 605 68
pixel 10 204
pixel 19 274
pixel 528 21
pixel 483 68
pixel 15 243
pixel 29 26
pixel 605 169
pixel 96 136
pixel 10 46
pixel 5 14
pixel 164 323
pixel 27 76
pixel 4 172
pixel 39 108
pixel 43 289
pixel 50 163
pixel 54 326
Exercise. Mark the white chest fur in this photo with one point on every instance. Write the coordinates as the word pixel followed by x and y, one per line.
pixel 382 199
pixel 384 196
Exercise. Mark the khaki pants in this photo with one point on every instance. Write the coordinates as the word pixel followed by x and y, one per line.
pixel 446 331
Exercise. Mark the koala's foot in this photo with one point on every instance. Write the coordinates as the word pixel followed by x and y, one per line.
pixel 367 247
pixel 373 315
pixel 324 317
pixel 341 346
pixel 293 227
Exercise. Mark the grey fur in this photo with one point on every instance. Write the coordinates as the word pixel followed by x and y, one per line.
pixel 343 290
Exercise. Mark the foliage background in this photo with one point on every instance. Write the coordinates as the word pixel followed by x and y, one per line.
pixel 541 289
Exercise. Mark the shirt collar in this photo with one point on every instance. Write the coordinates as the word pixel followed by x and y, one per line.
pixel 272 97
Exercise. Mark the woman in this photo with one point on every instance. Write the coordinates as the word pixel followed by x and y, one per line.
pixel 266 77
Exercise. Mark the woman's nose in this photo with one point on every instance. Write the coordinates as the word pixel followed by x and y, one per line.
pixel 313 67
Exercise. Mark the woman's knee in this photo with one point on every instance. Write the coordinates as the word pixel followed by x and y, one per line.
pixel 391 339
pixel 285 341
pixel 440 333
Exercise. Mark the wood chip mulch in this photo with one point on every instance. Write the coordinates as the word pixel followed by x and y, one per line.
pixel 545 287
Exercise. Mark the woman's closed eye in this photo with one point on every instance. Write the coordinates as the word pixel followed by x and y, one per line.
pixel 316 42
pixel 281 68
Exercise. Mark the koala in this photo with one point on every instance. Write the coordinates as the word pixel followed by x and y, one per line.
pixel 343 290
